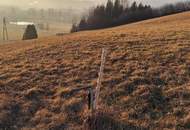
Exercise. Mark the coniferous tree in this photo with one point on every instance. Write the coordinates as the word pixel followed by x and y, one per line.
pixel 74 28
pixel 117 9
pixel 82 25
pixel 134 6
pixel 141 7
pixel 97 18
pixel 114 14
pixel 109 9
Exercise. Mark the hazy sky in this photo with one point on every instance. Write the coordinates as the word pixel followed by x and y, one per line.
pixel 71 3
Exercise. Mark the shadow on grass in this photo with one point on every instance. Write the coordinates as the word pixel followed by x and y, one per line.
pixel 104 121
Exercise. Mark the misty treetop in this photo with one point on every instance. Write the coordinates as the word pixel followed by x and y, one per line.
pixel 119 12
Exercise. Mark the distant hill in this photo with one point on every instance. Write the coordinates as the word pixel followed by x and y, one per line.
pixel 146 77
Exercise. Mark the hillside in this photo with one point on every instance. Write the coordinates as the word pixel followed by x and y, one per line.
pixel 34 76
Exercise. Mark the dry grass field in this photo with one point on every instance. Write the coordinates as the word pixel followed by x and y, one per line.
pixel 146 81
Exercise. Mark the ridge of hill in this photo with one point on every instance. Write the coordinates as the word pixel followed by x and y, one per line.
pixel 34 76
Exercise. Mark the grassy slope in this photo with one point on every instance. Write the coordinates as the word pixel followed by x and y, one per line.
pixel 35 74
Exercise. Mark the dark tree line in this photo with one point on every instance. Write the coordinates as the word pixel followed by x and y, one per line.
pixel 115 13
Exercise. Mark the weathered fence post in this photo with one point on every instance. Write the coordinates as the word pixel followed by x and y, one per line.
pixel 5 32
pixel 99 81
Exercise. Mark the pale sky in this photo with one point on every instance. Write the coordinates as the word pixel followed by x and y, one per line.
pixel 72 3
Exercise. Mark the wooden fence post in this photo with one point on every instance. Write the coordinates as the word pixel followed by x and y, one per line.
pixel 99 81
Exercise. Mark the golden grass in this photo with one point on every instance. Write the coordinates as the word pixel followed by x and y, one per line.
pixel 141 56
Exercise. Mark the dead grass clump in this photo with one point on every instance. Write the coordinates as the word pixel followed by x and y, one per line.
pixel 156 97
pixel 102 121
pixel 64 92
pixel 58 127
pixel 9 110
pixel 108 121
pixel 58 122
pixel 75 107
pixel 45 119
pixel 179 112
pixel 31 107
pixel 123 35
pixel 186 122
pixel 43 115
pixel 74 111
pixel 34 93
pixel 157 104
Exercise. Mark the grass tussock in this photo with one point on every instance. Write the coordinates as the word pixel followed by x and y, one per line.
pixel 106 120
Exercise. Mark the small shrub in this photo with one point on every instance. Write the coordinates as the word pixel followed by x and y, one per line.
pixel 30 33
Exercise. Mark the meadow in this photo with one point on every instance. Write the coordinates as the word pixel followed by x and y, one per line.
pixel 145 84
